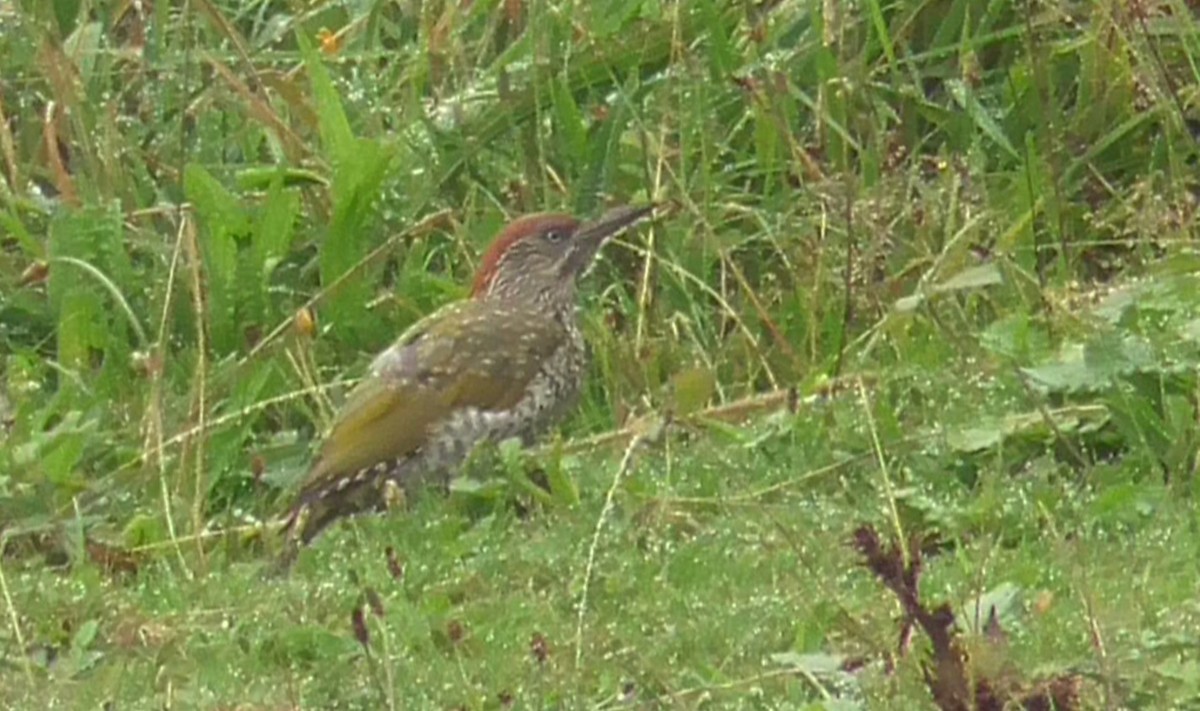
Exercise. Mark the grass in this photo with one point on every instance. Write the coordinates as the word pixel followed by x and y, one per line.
pixel 928 267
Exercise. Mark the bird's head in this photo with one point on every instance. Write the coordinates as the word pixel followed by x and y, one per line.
pixel 541 255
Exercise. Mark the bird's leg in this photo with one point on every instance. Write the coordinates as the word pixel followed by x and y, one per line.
pixel 394 495
pixel 296 521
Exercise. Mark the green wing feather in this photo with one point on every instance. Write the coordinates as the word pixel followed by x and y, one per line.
pixel 470 354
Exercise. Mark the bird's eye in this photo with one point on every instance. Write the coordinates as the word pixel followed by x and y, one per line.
pixel 555 236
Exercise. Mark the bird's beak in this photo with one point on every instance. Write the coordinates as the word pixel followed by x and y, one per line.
pixel 590 236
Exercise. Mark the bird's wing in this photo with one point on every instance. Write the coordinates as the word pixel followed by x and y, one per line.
pixel 438 366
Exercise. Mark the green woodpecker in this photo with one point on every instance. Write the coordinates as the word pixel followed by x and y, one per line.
pixel 507 362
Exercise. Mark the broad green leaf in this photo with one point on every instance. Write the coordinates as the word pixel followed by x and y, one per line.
pixel 1066 372
pixel 1116 500
pixel 976 439
pixel 1182 670
pixel 81 328
pixel 80 656
pixel 1017 337
pixel 909 303
pixel 143 529
pixel 609 17
pixel 360 167
pixel 273 233
pixel 357 184
pixel 307 644
pixel 1111 354
pixel 336 135
pixel 62 453
pixel 85 635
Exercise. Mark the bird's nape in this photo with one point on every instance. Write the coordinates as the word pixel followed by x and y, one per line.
pixel 502 246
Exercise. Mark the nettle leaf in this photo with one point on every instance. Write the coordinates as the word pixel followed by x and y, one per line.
pixel 977 439
pixel 1111 354
pixel 1137 417
pixel 1096 364
pixel 1166 293
pixel 1017 336
pixel 513 461
pixel 1067 373
pixel 240 253
pixel 989 432
pixel 55 454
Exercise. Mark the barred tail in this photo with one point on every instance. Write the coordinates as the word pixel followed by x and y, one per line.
pixel 323 503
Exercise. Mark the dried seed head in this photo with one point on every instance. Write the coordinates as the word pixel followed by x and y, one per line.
pixel 304 322
pixel 539 648
pixel 394 564
pixel 359 623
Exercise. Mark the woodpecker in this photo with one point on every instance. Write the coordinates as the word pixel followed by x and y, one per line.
pixel 507 362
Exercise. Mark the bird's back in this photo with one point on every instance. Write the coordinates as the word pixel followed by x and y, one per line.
pixel 473 371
